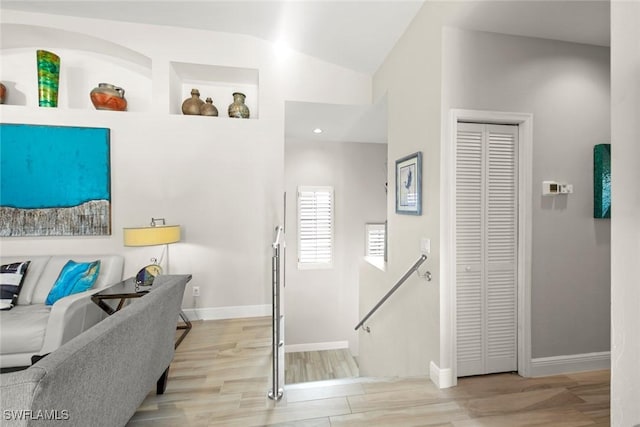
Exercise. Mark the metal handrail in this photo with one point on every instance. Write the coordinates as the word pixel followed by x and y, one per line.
pixel 413 268
pixel 276 391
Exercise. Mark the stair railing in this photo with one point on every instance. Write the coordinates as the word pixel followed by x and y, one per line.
pixel 403 279
pixel 276 391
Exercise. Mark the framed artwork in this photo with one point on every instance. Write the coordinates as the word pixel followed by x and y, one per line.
pixel 602 181
pixel 409 184
pixel 54 181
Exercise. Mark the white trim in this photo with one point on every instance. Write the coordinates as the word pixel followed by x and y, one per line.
pixel 544 366
pixel 448 355
pixel 316 346
pixel 442 378
pixel 230 312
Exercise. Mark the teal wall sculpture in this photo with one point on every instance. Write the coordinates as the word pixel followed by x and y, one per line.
pixel 602 181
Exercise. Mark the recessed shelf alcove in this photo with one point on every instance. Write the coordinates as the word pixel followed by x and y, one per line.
pixel 214 81
pixel 85 61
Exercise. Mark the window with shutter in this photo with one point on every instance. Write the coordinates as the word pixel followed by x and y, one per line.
pixel 315 227
pixel 375 236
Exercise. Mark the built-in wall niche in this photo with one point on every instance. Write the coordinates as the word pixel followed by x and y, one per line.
pixel 85 61
pixel 80 72
pixel 215 82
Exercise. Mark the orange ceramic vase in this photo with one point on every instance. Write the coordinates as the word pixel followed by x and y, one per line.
pixel 108 97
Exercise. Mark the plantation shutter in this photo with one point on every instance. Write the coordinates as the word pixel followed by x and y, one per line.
pixel 486 248
pixel 375 240
pixel 315 227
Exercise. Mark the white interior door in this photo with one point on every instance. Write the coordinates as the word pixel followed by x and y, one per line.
pixel 486 248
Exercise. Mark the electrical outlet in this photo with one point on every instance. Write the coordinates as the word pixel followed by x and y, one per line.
pixel 196 291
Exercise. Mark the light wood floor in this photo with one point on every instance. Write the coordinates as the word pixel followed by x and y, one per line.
pixel 220 377
pixel 308 366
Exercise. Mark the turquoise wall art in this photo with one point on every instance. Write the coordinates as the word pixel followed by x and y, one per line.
pixel 602 181
pixel 54 181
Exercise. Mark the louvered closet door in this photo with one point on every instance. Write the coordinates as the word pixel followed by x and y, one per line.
pixel 486 248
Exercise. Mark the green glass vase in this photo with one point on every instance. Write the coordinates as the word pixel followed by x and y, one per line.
pixel 48 78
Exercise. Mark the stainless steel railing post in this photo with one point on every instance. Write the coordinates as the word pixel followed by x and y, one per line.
pixel 276 391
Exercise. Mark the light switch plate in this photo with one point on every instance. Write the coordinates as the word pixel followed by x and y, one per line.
pixel 425 246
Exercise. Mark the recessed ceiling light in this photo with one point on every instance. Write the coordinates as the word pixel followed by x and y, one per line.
pixel 317 130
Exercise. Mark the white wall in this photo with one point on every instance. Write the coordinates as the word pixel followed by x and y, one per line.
pixel 405 332
pixel 566 87
pixel 625 215
pixel 221 179
pixel 322 305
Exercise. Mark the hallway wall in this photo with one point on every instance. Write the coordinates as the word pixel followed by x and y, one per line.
pixel 321 306
pixel 427 73
pixel 566 88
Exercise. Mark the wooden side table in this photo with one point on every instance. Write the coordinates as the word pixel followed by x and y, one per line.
pixel 128 292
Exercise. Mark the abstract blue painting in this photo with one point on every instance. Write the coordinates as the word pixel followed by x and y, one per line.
pixel 54 181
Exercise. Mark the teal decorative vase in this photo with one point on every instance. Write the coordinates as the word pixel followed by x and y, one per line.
pixel 48 78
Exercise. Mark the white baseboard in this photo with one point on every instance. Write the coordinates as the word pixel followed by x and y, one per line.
pixel 232 312
pixel 555 365
pixel 316 346
pixel 443 378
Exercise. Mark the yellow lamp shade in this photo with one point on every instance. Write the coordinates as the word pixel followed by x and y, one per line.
pixel 151 236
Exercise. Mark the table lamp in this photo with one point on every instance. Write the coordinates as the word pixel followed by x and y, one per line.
pixel 154 235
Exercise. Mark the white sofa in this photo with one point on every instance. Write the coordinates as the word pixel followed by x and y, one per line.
pixel 33 328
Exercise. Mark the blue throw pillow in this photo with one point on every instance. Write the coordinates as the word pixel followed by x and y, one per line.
pixel 75 277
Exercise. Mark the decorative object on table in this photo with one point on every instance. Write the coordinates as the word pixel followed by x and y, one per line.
pixel 48 78
pixel 409 184
pixel 238 109
pixel 191 106
pixel 602 181
pixel 147 274
pixel 54 181
pixel 108 97
pixel 153 235
pixel 3 93
pixel 208 109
